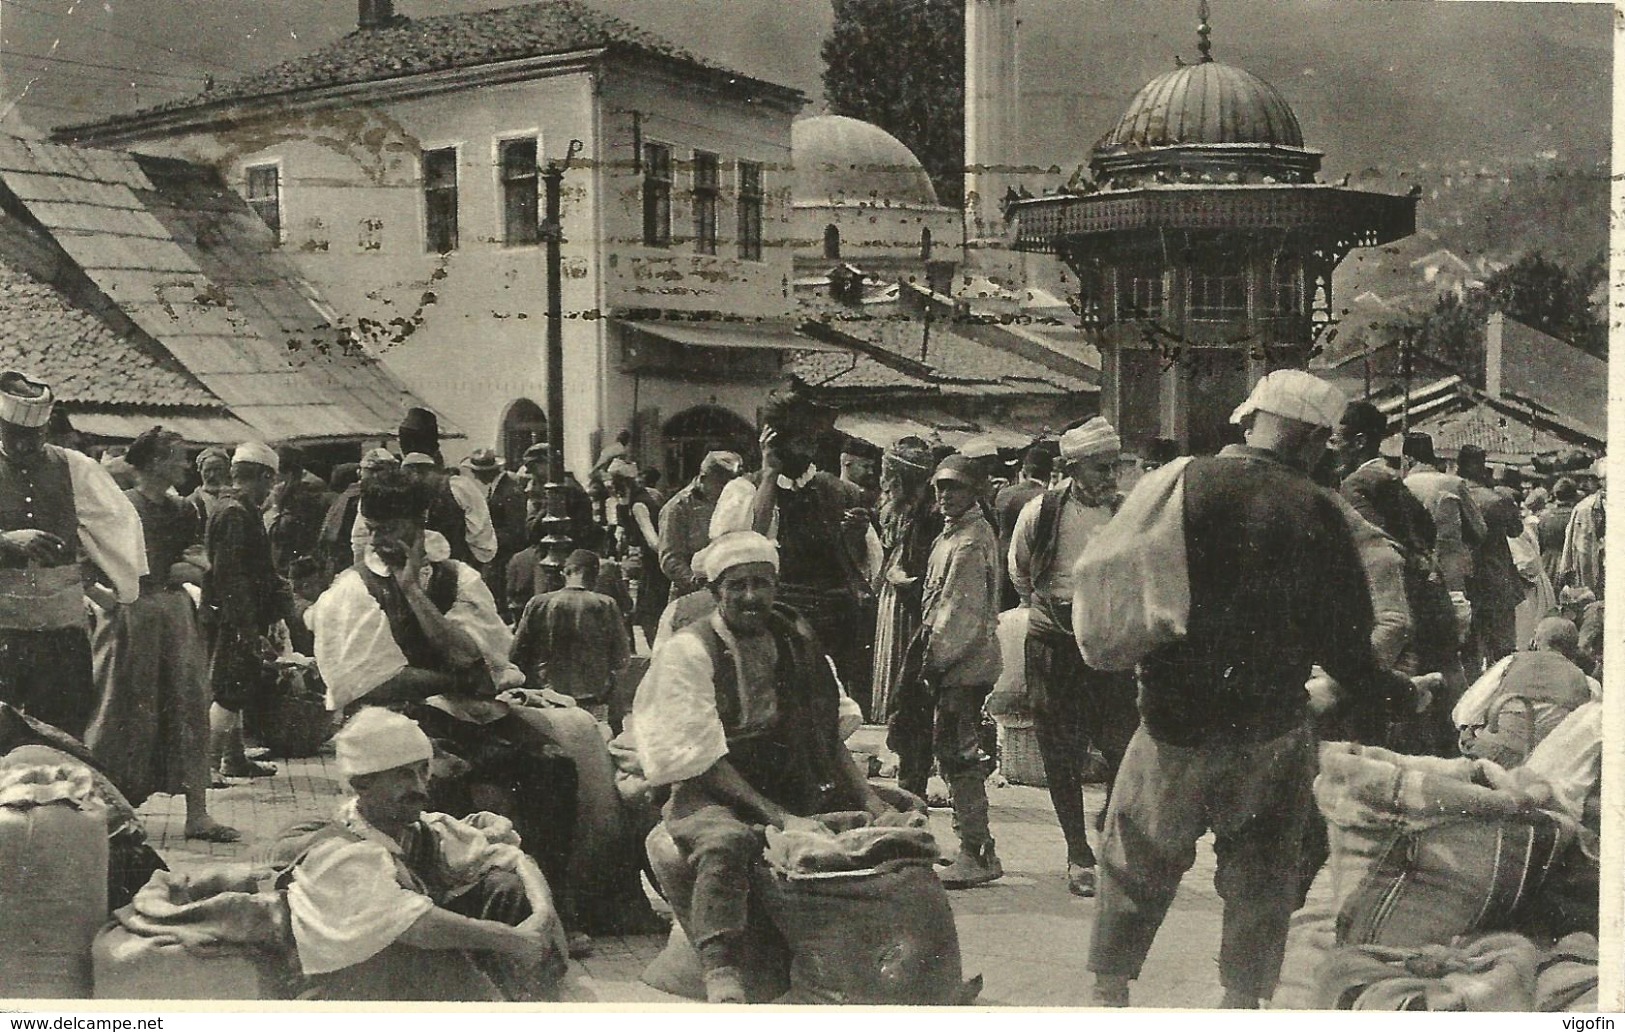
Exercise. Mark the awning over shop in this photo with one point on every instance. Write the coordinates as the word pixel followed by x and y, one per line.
pixel 195 429
pixel 757 335
pixel 882 431
pixel 885 429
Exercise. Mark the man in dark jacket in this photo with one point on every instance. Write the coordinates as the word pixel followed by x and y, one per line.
pixel 1270 583
pixel 1495 588
pixel 505 500
pixel 243 597
pixel 828 549
pixel 1036 466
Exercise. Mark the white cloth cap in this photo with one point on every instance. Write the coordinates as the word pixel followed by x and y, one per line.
pixel 378 739
pixel 24 402
pixel 727 460
pixel 379 458
pixel 416 458
pixel 1096 437
pixel 1294 394
pixel 736 549
pixel 257 453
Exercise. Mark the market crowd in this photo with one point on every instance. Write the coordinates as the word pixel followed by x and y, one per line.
pixel 527 725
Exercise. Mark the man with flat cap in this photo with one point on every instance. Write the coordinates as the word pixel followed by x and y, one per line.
pixel 739 714
pixel 66 533
pixel 685 520
pixel 1223 579
pixel 1074 705
pixel 960 660
pixel 388 902
pixel 243 598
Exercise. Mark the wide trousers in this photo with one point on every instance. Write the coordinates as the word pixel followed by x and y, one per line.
pixel 1255 798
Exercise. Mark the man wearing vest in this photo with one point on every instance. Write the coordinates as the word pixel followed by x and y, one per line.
pixel 828 549
pixel 457 508
pixel 1223 579
pixel 66 533
pixel 413 629
pixel 388 902
pixel 243 598
pixel 1074 706
pixel 739 715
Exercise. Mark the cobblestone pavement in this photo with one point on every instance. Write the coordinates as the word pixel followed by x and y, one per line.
pixel 1025 934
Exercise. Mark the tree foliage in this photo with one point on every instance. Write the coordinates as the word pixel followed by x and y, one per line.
pixel 1534 290
pixel 900 64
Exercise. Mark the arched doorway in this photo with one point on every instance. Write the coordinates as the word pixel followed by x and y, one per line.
pixel 523 425
pixel 704 428
pixel 832 242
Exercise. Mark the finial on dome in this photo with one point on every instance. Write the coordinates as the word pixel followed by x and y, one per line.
pixel 1203 30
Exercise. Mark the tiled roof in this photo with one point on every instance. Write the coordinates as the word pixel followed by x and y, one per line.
pixel 833 371
pixel 467 39
pixel 188 264
pixel 951 357
pixel 44 335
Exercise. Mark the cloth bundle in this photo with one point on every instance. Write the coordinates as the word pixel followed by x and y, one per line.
pixel 852 842
pixel 1491 973
pixel 1009 696
pixel 1425 849
pixel 217 908
pixel 1502 971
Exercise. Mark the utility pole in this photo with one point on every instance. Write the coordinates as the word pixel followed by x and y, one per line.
pixel 556 518
pixel 1405 370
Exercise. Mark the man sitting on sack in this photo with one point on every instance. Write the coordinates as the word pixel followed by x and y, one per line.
pixel 415 630
pixel 388 902
pixel 739 715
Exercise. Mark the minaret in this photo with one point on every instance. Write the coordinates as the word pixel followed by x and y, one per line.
pixel 990 117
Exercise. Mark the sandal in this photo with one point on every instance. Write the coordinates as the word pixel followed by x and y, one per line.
pixel 214 831
pixel 247 769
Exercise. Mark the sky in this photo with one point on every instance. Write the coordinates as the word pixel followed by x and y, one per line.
pixel 1380 85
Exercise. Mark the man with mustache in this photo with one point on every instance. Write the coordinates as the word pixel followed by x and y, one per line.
pixel 388 902
pixel 739 716
pixel 829 553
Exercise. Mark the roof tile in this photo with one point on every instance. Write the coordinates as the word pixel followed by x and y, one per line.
pixel 84 361
pixel 412 46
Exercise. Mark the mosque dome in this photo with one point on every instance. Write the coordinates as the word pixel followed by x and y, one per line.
pixel 840 160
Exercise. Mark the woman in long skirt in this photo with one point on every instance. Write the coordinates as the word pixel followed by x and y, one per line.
pixel 909 524
pixel 151 732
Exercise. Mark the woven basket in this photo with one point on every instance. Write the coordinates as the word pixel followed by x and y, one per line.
pixel 1018 752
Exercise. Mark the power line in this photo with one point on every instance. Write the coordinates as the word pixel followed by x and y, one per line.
pixel 139 40
pixel 13 55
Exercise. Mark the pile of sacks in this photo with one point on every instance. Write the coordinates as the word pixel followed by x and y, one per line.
pixel 1468 883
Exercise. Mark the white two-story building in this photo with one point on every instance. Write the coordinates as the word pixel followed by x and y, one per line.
pixel 399 167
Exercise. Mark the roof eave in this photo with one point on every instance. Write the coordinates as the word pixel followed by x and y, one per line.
pixel 213 114
pixel 221 113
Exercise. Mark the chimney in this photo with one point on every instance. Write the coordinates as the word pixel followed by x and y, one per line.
pixel 375 14
pixel 1494 328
